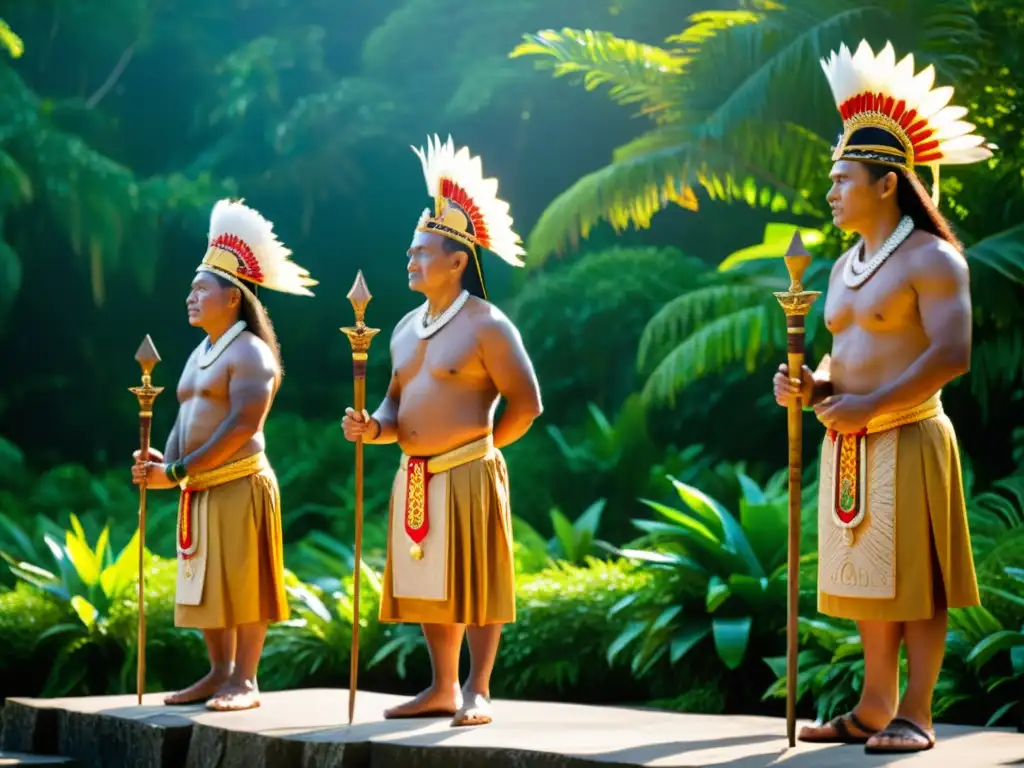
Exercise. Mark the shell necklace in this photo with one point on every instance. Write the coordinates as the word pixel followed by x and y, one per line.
pixel 211 352
pixel 427 326
pixel 856 271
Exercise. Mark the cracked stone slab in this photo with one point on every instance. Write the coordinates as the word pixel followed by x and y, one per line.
pixel 308 729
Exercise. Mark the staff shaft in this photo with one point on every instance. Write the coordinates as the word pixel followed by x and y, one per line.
pixel 359 336
pixel 147 357
pixel 359 400
pixel 794 429
pixel 145 430
pixel 796 303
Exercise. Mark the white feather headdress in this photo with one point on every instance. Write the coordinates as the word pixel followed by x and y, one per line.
pixel 244 246
pixel 896 117
pixel 466 205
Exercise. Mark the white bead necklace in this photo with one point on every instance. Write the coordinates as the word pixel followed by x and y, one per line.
pixel 212 351
pixel 856 272
pixel 426 327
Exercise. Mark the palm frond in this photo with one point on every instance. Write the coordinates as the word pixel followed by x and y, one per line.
pixel 749 71
pixel 685 314
pixel 1002 252
pixel 706 24
pixel 635 72
pixel 774 170
pixel 726 340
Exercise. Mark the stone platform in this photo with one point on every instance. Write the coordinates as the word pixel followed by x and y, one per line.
pixel 308 729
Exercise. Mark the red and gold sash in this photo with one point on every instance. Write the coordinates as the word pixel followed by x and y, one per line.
pixel 849 457
pixel 417 518
pixel 418 471
pixel 193 484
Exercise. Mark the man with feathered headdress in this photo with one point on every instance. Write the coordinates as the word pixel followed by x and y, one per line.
pixel 229 538
pixel 449 562
pixel 893 544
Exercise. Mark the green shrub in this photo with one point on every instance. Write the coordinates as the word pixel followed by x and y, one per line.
pixel 557 647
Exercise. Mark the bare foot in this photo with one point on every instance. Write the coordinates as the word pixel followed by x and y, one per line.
pixel 199 691
pixel 901 735
pixel 475 711
pixel 843 729
pixel 433 702
pixel 235 697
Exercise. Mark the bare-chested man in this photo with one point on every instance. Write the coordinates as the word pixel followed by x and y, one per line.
pixel 230 556
pixel 896 558
pixel 450 563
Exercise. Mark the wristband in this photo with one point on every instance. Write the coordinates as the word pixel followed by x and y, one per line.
pixel 176 472
pixel 380 428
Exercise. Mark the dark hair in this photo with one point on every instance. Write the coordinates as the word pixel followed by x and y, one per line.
pixel 473 274
pixel 914 201
pixel 257 321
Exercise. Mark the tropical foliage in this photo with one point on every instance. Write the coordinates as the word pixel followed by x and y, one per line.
pixel 650 515
pixel 740 113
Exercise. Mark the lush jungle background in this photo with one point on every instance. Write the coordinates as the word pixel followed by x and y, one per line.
pixel 657 180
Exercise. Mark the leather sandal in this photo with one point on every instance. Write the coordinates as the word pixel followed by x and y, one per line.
pixel 841 725
pixel 906 731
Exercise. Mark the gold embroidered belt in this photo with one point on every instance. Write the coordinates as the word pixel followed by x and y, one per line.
pixel 236 470
pixel 418 472
pixel 849 460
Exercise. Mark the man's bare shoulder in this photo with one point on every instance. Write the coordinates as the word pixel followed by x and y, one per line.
pixel 403 325
pixel 934 258
pixel 489 322
pixel 251 356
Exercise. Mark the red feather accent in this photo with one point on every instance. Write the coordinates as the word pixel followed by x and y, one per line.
pixel 459 196
pixel 248 265
pixel 917 129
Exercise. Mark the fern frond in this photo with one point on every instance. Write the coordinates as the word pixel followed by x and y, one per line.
pixel 728 339
pixel 706 24
pixel 778 170
pixel 684 314
pixel 635 72
pixel 748 72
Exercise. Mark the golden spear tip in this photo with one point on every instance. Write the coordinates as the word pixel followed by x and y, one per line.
pixel 797 259
pixel 359 295
pixel 147 356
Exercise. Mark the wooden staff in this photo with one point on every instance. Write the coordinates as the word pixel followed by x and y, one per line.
pixel 147 357
pixel 796 303
pixel 359 336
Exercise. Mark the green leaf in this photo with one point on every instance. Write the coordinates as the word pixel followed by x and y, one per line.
pixel 564 533
pixel 777 238
pixel 691 633
pixel 116 578
pixel 1003 253
pixel 735 538
pixel 998 714
pixel 632 631
pixel 589 522
pixel 731 639
pixel 688 523
pixel 666 617
pixel 993 644
pixel 718 593
pixel 85 611
pixel 82 557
